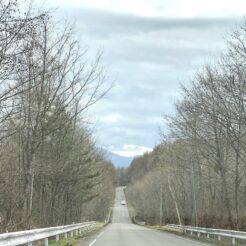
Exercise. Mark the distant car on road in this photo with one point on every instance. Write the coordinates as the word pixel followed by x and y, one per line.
pixel 123 202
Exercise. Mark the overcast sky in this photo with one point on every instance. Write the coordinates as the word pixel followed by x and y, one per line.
pixel 149 48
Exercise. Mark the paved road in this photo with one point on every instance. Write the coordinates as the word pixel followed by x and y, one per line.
pixel 121 232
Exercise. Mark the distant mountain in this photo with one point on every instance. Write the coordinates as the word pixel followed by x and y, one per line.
pixel 118 160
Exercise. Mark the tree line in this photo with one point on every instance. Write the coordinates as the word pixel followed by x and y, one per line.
pixel 197 175
pixel 50 169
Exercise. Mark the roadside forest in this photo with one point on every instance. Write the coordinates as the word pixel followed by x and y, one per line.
pixel 197 175
pixel 51 173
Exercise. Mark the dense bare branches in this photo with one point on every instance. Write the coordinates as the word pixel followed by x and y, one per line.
pixel 204 163
pixel 49 167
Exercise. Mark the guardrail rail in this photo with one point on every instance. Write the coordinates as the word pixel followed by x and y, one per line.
pixel 30 236
pixel 210 231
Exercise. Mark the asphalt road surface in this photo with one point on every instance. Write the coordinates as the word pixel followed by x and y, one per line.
pixel 121 232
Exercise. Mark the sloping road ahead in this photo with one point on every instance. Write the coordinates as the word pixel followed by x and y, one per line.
pixel 121 232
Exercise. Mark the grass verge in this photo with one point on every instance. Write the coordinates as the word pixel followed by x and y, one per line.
pixel 210 241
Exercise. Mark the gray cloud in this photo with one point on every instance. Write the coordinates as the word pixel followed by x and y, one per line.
pixel 130 24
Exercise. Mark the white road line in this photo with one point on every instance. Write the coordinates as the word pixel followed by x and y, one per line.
pixel 92 242
pixel 95 239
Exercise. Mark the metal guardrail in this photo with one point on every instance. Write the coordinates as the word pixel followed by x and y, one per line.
pixel 30 236
pixel 210 231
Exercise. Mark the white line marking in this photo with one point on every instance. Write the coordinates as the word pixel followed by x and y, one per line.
pixel 96 239
pixel 92 242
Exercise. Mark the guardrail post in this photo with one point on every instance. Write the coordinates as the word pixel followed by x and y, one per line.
pixel 71 234
pixel 57 238
pixel 29 244
pixel 76 232
pixel 46 242
pixel 234 236
pixel 80 231
pixel 65 235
